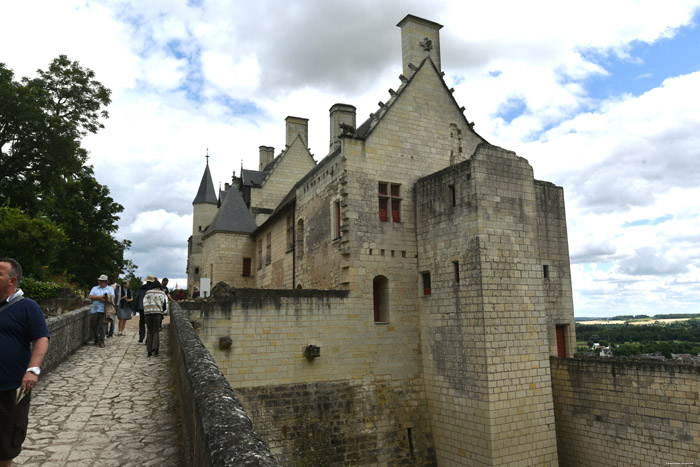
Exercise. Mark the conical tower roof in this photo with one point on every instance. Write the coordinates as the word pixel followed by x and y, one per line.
pixel 206 193
pixel 232 216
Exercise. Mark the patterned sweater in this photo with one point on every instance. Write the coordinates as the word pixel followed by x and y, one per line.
pixel 153 301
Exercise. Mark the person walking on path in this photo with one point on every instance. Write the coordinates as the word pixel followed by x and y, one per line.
pixel 99 296
pixel 124 308
pixel 139 305
pixel 21 323
pixel 153 307
pixel 111 321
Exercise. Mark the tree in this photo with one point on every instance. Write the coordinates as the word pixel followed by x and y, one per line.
pixel 34 242
pixel 42 164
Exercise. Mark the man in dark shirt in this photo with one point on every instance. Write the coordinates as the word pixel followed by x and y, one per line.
pixel 24 340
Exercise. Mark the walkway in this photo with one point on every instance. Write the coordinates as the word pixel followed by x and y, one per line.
pixel 106 407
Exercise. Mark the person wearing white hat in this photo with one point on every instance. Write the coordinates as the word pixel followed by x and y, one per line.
pixel 99 296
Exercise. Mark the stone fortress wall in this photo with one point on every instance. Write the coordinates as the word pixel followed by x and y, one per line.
pixel 615 411
pixel 337 408
pixel 360 402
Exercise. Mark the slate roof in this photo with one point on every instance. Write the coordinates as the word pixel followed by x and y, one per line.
pixel 206 193
pixel 252 177
pixel 232 216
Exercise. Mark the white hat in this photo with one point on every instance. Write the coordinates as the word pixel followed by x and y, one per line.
pixel 103 277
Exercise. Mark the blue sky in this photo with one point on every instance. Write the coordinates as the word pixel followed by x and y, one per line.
pixel 599 97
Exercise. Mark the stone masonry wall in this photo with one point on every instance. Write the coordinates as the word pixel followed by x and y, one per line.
pixel 222 259
pixel 626 412
pixel 69 332
pixel 360 402
pixel 553 246
pixel 217 431
pixel 484 337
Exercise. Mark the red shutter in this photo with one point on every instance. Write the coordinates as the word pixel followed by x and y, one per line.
pixel 246 266
pixel 561 341
pixel 396 210
pixel 383 214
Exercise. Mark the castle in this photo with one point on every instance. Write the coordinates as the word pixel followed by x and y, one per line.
pixel 428 268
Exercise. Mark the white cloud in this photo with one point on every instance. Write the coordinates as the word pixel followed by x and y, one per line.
pixel 188 76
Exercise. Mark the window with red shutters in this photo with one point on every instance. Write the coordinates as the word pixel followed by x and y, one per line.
pixel 389 198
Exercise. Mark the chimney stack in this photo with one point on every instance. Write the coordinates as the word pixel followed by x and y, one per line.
pixel 297 126
pixel 419 38
pixel 267 153
pixel 341 113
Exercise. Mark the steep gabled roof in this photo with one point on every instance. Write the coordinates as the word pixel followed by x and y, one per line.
pixel 364 130
pixel 206 193
pixel 233 215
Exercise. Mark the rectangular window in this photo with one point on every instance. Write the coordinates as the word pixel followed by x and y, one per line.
pixel 545 271
pixel 426 283
pixel 389 197
pixel 453 195
pixel 456 268
pixel 336 220
pixel 290 232
pixel 268 249
pixel 260 256
pixel 246 267
pixel 196 270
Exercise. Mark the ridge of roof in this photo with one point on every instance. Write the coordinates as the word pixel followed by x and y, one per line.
pixel 291 195
pixel 366 128
pixel 233 216
pixel 206 193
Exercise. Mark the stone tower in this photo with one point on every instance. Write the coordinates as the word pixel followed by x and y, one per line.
pixel 204 208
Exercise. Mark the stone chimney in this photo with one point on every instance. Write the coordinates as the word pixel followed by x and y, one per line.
pixel 297 126
pixel 419 38
pixel 341 113
pixel 267 153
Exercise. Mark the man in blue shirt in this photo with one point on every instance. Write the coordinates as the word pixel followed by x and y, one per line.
pixel 99 296
pixel 24 340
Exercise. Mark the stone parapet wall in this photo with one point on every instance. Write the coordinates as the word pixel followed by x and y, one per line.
pixel 68 332
pixel 216 429
pixel 626 412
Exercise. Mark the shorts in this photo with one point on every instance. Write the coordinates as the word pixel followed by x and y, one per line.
pixel 14 419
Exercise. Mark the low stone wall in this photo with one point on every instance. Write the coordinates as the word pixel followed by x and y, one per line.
pixel 626 412
pixel 68 332
pixel 216 429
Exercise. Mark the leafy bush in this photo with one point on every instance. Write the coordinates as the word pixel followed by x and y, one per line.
pixel 43 290
pixel 39 290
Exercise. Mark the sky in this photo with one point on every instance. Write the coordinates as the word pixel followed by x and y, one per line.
pixel 602 98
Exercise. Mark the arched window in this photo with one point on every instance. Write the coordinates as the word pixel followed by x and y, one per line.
pixel 300 239
pixel 380 286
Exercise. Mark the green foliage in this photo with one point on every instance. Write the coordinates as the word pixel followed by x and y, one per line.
pixel 34 242
pixel 688 331
pixel 39 290
pixel 42 290
pixel 43 173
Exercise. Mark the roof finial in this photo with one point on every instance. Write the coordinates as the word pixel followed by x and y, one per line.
pixel 207 156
